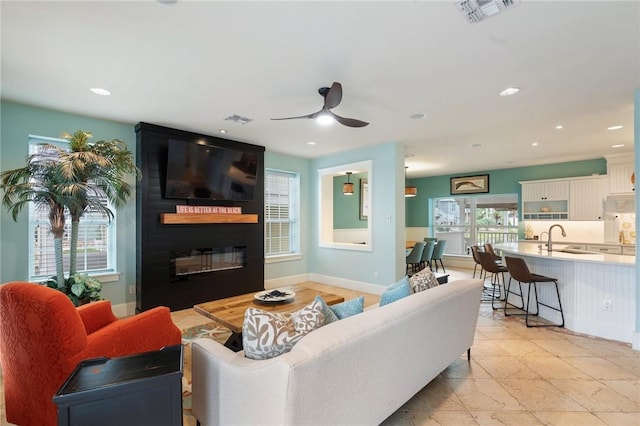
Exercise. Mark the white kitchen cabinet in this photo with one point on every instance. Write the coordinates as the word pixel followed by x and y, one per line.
pixel 545 200
pixel 620 169
pixel 545 191
pixel 586 198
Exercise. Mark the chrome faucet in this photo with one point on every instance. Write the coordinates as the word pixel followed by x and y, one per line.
pixel 564 234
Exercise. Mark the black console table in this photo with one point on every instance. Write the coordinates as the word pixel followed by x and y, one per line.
pixel 140 390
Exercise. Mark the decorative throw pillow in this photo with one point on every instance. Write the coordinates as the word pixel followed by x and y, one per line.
pixel 348 308
pixel 269 334
pixel 423 280
pixel 329 316
pixel 396 291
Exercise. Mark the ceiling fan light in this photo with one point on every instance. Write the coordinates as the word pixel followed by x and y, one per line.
pixel 325 119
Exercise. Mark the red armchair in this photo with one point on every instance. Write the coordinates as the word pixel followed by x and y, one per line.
pixel 43 337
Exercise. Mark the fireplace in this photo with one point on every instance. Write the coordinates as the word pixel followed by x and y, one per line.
pixel 182 263
pixel 185 264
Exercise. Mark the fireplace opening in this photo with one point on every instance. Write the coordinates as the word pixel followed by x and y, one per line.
pixel 195 262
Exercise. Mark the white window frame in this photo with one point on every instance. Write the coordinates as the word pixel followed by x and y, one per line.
pixel 107 274
pixel 292 193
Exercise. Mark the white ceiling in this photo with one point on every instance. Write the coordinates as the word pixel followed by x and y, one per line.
pixel 191 64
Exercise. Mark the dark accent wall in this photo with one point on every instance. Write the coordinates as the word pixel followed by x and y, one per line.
pixel 155 241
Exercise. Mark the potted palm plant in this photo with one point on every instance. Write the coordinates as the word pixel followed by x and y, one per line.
pixel 79 179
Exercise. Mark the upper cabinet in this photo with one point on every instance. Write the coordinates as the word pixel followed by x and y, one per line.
pixel 545 200
pixel 545 191
pixel 620 169
pixel 579 198
pixel 586 201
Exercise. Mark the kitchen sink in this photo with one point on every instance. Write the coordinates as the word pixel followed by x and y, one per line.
pixel 574 251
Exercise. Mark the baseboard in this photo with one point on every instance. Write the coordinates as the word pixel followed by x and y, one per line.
pixel 122 310
pixel 348 284
pixel 285 281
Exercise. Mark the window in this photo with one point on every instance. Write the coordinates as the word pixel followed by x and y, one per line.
pixel 96 236
pixel 282 195
pixel 476 219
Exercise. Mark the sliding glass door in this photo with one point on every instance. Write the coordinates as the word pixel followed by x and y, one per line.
pixel 475 219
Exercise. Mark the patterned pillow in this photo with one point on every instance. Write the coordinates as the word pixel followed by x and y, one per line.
pixel 423 280
pixel 269 334
pixel 329 316
pixel 348 308
pixel 396 291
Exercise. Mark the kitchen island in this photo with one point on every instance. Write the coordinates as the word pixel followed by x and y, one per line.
pixel 598 291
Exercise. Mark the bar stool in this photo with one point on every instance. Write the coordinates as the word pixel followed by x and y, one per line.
pixel 474 253
pixel 489 249
pixel 520 272
pixel 509 291
pixel 490 266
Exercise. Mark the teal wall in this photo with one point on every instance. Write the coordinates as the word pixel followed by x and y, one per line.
pixel 20 121
pixel 503 181
pixel 346 208
pixel 288 163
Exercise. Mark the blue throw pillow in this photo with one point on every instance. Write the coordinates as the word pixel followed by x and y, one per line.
pixel 348 308
pixel 396 291
pixel 329 316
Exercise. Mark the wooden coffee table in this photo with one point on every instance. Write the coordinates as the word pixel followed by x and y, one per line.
pixel 229 312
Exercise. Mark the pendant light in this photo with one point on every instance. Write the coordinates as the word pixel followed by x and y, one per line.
pixel 409 190
pixel 347 188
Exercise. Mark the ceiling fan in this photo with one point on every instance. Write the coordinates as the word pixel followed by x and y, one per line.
pixel 332 97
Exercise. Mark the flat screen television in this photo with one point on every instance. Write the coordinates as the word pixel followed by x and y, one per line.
pixel 207 172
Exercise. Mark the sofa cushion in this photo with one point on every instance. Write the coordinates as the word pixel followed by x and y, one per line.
pixel 329 316
pixel 423 280
pixel 396 291
pixel 348 308
pixel 269 334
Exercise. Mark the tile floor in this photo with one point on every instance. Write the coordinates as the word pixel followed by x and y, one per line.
pixel 517 376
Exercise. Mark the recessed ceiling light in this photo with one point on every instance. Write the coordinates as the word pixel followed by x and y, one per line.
pixel 417 116
pixel 510 91
pixel 475 145
pixel 619 145
pixel 311 143
pixel 617 127
pixel 559 127
pixel 222 131
pixel 534 144
pixel 100 91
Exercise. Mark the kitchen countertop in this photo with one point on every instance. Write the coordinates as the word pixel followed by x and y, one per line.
pixel 564 243
pixel 528 249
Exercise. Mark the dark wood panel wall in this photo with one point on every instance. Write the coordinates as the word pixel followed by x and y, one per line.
pixel 155 242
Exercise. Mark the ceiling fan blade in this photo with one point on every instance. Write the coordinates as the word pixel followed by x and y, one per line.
pixel 314 115
pixel 349 122
pixel 334 96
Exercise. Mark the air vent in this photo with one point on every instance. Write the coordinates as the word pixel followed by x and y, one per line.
pixel 476 10
pixel 238 119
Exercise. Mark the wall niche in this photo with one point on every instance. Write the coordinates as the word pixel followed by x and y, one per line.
pixel 185 259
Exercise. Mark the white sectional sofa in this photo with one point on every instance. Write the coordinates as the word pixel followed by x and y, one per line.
pixel 356 371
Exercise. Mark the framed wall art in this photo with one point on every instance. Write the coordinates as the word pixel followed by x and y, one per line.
pixel 469 184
